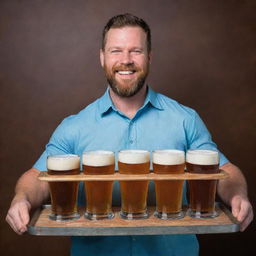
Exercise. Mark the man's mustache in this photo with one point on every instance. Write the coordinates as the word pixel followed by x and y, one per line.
pixel 128 67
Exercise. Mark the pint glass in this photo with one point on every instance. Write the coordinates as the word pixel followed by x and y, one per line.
pixel 134 193
pixel 98 193
pixel 169 192
pixel 63 194
pixel 202 192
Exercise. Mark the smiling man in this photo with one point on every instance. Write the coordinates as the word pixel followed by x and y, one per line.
pixel 125 59
pixel 130 115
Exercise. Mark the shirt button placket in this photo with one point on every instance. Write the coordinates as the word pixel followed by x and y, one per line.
pixel 131 133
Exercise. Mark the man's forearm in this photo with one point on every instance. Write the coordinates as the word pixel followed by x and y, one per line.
pixel 232 186
pixel 30 188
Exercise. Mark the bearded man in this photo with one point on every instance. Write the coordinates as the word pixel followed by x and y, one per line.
pixel 130 115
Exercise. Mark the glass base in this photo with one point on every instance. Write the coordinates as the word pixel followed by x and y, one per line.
pixel 92 216
pixel 134 216
pixel 202 215
pixel 169 216
pixel 67 217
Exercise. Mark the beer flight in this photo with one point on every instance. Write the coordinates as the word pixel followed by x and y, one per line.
pixel 98 194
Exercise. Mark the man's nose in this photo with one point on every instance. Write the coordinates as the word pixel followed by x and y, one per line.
pixel 126 58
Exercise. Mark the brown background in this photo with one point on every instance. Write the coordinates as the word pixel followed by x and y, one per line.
pixel 204 55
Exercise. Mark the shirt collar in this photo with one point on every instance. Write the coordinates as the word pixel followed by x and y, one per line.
pixel 152 98
pixel 105 102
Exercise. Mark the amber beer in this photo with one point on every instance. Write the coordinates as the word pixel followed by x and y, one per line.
pixel 98 193
pixel 202 192
pixel 169 193
pixel 63 194
pixel 134 193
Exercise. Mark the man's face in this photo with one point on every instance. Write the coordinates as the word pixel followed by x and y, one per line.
pixel 125 60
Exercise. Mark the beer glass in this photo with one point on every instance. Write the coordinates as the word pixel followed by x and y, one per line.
pixel 169 192
pixel 134 193
pixel 202 192
pixel 63 193
pixel 98 193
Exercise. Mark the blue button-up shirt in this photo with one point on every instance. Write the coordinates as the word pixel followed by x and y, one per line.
pixel 161 123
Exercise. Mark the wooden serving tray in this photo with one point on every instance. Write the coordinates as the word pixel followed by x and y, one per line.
pixel 44 176
pixel 41 225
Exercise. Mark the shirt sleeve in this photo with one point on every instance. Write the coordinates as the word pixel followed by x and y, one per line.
pixel 198 137
pixel 61 142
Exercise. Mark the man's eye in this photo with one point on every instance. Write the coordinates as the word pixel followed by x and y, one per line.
pixel 137 51
pixel 115 51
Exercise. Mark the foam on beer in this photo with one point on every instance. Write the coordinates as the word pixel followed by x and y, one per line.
pixel 202 157
pixel 98 158
pixel 63 162
pixel 134 156
pixel 168 157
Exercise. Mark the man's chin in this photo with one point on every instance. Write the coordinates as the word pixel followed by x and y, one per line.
pixel 125 86
pixel 125 91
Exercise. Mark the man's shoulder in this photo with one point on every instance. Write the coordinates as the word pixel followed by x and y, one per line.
pixel 87 113
pixel 174 106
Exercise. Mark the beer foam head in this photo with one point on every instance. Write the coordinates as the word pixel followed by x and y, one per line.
pixel 63 162
pixel 202 157
pixel 168 157
pixel 134 156
pixel 98 158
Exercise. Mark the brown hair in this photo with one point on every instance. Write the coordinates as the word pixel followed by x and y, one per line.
pixel 124 20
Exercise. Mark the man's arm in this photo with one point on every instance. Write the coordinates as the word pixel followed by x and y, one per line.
pixel 30 193
pixel 233 191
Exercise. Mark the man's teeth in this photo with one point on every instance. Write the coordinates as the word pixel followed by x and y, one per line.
pixel 125 72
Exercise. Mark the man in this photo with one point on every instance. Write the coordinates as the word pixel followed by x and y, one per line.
pixel 129 115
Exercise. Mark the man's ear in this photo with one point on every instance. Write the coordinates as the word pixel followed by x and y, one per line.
pixel 150 57
pixel 102 57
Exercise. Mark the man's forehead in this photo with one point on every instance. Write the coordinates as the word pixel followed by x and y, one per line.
pixel 124 33
pixel 127 27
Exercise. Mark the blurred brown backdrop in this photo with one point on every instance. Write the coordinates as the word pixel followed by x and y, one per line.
pixel 204 55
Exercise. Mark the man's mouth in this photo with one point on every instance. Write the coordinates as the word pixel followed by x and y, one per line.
pixel 127 72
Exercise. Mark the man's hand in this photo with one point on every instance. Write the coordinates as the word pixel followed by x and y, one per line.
pixel 30 192
pixel 18 215
pixel 233 191
pixel 242 210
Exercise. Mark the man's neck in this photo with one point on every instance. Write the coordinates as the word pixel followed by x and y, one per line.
pixel 129 106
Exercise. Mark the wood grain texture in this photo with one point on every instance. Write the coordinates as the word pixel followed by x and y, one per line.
pixel 44 176
pixel 42 225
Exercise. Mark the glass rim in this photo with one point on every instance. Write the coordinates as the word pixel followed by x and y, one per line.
pixel 63 162
pixel 168 157
pixel 98 158
pixel 98 152
pixel 62 156
pixel 133 151
pixel 203 157
pixel 168 151
pixel 202 151
pixel 134 156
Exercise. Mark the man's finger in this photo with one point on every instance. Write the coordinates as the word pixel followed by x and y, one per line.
pixel 14 223
pixel 24 214
pixel 244 211
pixel 245 216
pixel 236 204
pixel 246 222
pixel 18 217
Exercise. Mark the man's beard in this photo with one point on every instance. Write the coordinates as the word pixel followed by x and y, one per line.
pixel 134 86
